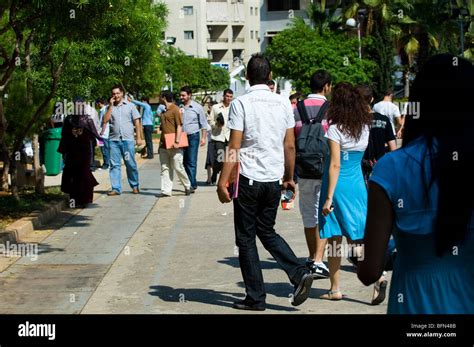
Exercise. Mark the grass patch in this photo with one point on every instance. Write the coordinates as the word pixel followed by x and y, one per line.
pixel 12 210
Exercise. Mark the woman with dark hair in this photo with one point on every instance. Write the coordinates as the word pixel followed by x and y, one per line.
pixel 424 192
pixel 78 133
pixel 343 190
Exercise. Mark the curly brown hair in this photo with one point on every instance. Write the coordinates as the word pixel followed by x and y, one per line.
pixel 348 110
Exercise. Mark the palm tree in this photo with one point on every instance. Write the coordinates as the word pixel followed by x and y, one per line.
pixel 323 21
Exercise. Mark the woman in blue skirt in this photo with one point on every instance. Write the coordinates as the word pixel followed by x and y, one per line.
pixel 343 192
pixel 424 194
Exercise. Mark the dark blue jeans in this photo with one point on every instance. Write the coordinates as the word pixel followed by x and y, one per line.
pixel 148 131
pixel 190 155
pixel 105 149
pixel 255 212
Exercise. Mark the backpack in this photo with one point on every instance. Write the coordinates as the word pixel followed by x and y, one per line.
pixel 312 149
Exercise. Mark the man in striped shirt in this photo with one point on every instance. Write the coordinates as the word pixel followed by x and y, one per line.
pixel 309 188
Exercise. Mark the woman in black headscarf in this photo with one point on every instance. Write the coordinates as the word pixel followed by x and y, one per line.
pixel 78 133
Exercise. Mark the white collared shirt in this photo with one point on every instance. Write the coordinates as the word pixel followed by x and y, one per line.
pixel 221 134
pixel 264 118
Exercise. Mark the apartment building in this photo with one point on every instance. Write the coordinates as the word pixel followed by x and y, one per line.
pixel 276 15
pixel 225 31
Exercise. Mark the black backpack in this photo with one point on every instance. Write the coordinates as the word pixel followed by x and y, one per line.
pixel 312 149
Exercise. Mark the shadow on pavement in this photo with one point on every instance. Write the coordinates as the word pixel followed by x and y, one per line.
pixel 44 248
pixel 349 268
pixel 205 296
pixel 234 262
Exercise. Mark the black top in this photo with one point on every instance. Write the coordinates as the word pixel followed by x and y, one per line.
pixel 381 132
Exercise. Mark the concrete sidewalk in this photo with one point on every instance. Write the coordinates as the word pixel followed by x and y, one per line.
pixel 140 254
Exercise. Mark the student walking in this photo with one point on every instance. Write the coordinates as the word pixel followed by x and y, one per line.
pixel 423 194
pixel 123 116
pixel 311 152
pixel 219 118
pixel 195 126
pixel 343 191
pixel 261 124
pixel 171 158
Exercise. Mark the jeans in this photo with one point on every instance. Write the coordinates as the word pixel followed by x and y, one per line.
pixel 126 150
pixel 148 131
pixel 172 161
pixel 190 157
pixel 105 149
pixel 255 211
pixel 219 151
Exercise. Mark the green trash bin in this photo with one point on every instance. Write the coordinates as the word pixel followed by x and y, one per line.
pixel 52 159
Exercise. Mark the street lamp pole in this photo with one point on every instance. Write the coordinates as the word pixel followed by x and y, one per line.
pixel 360 42
pixel 355 24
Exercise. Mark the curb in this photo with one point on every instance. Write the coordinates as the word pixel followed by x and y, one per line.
pixel 15 231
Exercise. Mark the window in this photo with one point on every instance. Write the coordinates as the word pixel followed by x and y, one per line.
pixel 256 11
pixel 256 35
pixel 189 35
pixel 251 11
pixel 188 10
pixel 251 34
pixel 283 5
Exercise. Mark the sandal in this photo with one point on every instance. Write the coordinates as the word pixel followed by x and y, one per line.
pixel 381 288
pixel 331 295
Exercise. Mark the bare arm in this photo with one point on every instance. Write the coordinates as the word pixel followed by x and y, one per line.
pixel 108 115
pixel 334 170
pixel 232 156
pixel 203 136
pixel 138 127
pixel 290 155
pixel 377 234
pixel 392 145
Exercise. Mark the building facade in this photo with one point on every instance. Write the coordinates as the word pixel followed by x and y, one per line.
pixel 276 15
pixel 225 31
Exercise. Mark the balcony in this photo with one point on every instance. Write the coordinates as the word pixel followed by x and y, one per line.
pixel 217 43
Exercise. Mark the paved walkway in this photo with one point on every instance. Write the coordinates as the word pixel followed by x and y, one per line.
pixel 140 254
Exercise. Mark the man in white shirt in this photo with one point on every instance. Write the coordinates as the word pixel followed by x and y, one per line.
pixel 262 130
pixel 220 134
pixel 389 109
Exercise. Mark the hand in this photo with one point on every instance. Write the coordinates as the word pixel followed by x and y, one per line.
pixel 129 99
pixel 140 142
pixel 400 133
pixel 175 145
pixel 223 194
pixel 102 133
pixel 203 141
pixel 289 185
pixel 327 208
pixel 111 100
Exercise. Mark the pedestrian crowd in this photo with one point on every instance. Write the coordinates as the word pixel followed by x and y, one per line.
pixel 390 183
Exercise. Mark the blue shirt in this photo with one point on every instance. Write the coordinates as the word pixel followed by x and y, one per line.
pixel 147 116
pixel 121 121
pixel 194 118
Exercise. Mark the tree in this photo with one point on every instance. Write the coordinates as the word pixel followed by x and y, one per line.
pixel 68 48
pixel 297 52
pixel 197 73
pixel 322 21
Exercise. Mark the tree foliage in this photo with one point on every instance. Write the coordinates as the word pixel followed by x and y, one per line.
pixel 197 73
pixel 297 52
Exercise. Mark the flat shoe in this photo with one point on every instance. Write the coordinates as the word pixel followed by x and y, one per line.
pixel 381 288
pixel 330 295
